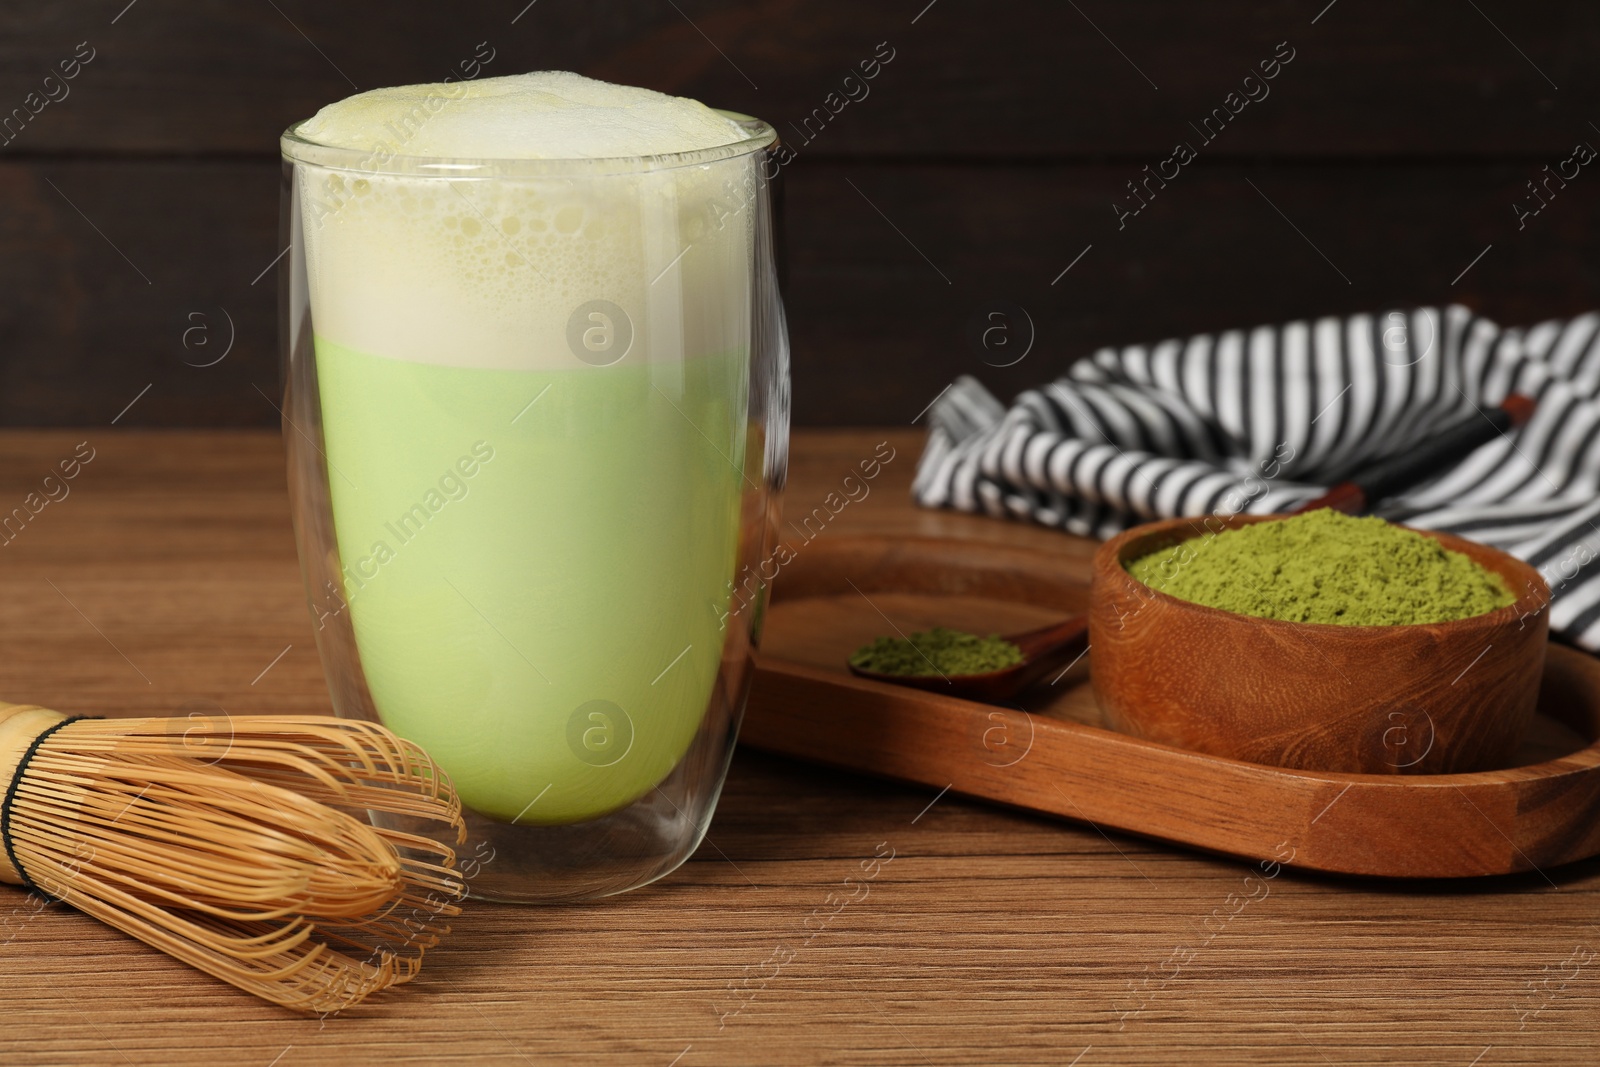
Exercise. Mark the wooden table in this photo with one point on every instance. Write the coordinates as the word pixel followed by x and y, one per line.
pixel 166 580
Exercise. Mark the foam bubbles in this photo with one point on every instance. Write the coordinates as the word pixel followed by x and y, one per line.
pixel 486 272
pixel 549 114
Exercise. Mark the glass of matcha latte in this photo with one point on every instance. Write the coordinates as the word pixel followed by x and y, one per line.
pixel 536 408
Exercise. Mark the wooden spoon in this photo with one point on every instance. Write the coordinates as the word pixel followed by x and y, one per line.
pixel 1043 650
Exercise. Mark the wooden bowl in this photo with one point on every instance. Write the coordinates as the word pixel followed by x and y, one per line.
pixel 1433 698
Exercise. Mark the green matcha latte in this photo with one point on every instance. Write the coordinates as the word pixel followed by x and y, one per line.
pixel 533 394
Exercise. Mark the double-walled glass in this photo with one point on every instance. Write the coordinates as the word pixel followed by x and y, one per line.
pixel 537 418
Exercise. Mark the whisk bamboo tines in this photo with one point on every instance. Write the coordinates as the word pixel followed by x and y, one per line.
pixel 228 842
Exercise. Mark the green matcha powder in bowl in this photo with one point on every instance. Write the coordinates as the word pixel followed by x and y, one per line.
pixel 1325 567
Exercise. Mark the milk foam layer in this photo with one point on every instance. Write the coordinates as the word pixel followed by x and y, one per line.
pixel 476 269
pixel 548 114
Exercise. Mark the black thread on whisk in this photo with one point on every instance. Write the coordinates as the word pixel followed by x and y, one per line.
pixel 11 796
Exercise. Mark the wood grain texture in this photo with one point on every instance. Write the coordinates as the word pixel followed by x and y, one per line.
pixel 990 937
pixel 1032 79
pixel 1435 698
pixel 877 329
pixel 986 157
pixel 1510 821
pixel 1057 750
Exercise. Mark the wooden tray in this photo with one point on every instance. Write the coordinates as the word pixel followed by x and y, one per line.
pixel 1051 753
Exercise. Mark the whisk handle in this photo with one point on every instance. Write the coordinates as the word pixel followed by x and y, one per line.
pixel 20 726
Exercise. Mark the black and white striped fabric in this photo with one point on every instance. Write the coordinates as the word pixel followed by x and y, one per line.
pixel 1262 420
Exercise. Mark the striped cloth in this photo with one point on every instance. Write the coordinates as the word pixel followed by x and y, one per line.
pixel 1262 420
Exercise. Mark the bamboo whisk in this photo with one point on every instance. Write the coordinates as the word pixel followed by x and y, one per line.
pixel 229 843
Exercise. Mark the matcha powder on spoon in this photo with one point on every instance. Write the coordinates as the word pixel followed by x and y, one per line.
pixel 938 651
pixel 1325 567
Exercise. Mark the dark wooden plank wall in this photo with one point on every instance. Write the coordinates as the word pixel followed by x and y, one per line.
pixel 138 209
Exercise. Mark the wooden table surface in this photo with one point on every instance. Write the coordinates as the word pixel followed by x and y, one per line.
pixel 166 580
